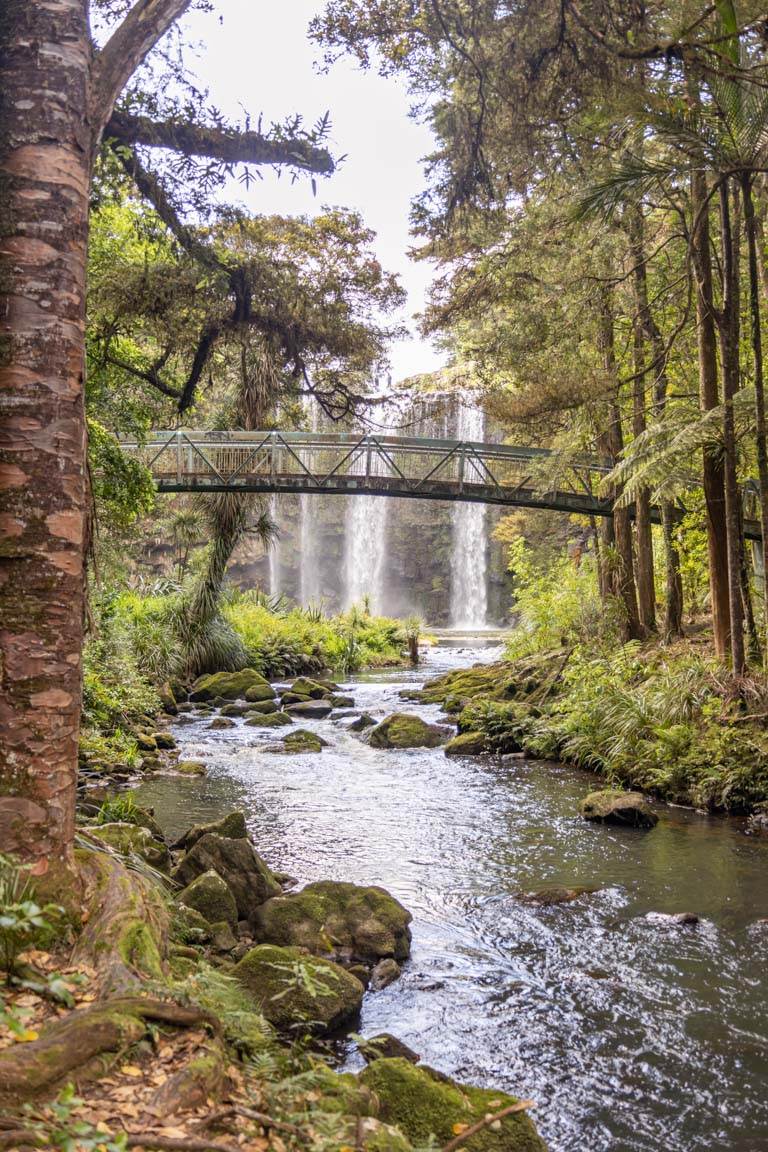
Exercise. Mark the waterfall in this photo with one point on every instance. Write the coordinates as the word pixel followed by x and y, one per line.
pixel 309 553
pixel 274 552
pixel 469 597
pixel 365 547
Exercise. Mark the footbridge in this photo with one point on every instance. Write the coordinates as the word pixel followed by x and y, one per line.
pixel 354 464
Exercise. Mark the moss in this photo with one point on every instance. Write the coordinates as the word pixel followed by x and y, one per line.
pixel 137 946
pixel 294 990
pixel 259 693
pixel 332 915
pixel 302 740
pixel 612 806
pixel 221 722
pixel 270 720
pixel 244 872
pixel 228 685
pixel 261 708
pixel 135 840
pixel 232 827
pixel 210 896
pixel 466 744
pixel 190 768
pixel 309 688
pixel 426 1105
pixel 402 730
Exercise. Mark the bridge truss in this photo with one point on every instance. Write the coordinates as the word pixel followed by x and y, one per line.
pixel 348 463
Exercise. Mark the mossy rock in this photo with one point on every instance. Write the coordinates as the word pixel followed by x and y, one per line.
pixel 425 1105
pixel 221 722
pixel 188 926
pixel 144 817
pixel 268 720
pixel 403 730
pixel 209 895
pixel 331 916
pixel 165 740
pixel 134 840
pixel 258 693
pixel 339 701
pixel 310 709
pixel 249 879
pixel 145 742
pixel 294 990
pixel 612 806
pixel 364 721
pixel 232 826
pixel 190 767
pixel 304 686
pixel 293 698
pixel 466 744
pixel 261 708
pixel 236 709
pixel 228 685
pixel 302 740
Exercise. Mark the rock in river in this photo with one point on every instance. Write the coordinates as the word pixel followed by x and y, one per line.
pixel 231 686
pixel 232 826
pixel 612 806
pixel 466 744
pixel 269 974
pixel 310 709
pixel 268 720
pixel 402 730
pixel 330 916
pixel 209 895
pixel 245 873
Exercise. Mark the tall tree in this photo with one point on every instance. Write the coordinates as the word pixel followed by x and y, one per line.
pixel 57 101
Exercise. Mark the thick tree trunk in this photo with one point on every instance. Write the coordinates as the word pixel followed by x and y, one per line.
pixel 713 468
pixel 729 352
pixel 45 149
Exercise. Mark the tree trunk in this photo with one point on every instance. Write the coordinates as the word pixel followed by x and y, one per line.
pixel 757 362
pixel 45 150
pixel 646 593
pixel 729 351
pixel 713 467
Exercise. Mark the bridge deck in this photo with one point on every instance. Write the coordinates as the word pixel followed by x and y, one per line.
pixel 347 463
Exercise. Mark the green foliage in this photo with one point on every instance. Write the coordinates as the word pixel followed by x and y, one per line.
pixel 23 922
pixel 557 605
pixel 122 487
pixel 58 1126
pixel 119 809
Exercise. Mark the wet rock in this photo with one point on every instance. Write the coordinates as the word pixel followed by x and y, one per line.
pixel 168 700
pixel 313 689
pixel 302 740
pixel 612 806
pixel 384 1046
pixel 190 768
pixel 145 742
pixel 221 722
pixel 384 973
pixel 362 972
pixel 185 707
pixel 228 685
pixel 165 740
pixel 362 722
pixel 258 693
pixel 262 708
pixel 757 825
pixel 285 880
pixel 209 895
pixel 428 1106
pixel 268 973
pixel 236 709
pixel 329 916
pixel 466 744
pixel 310 709
pixel 133 840
pixel 268 720
pixel 244 872
pixel 555 895
pixel 402 730
pixel 337 701
pixel 670 919
pixel 232 826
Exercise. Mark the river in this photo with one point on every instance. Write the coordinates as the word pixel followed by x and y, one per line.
pixel 631 1032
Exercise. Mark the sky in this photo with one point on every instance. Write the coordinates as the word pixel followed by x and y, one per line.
pixel 258 58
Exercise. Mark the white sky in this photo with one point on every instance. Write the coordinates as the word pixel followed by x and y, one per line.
pixel 258 58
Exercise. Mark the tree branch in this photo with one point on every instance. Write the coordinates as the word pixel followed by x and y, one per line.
pixel 231 147
pixel 146 23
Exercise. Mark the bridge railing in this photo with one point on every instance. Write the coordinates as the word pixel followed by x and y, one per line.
pixel 243 459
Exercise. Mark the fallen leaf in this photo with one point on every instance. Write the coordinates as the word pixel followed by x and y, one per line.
pixel 131 1070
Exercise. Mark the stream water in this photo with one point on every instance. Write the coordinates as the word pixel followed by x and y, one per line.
pixel 630 1031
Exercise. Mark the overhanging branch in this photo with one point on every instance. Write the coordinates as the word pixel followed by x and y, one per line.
pixel 218 144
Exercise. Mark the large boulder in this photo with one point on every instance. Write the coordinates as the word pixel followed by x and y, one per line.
pixel 466 744
pixel 611 806
pixel 304 686
pixel 429 1107
pixel 259 693
pixel 403 730
pixel 310 709
pixel 296 991
pixel 245 873
pixel 210 896
pixel 331 917
pixel 268 720
pixel 133 840
pixel 232 826
pixel 229 685
pixel 260 707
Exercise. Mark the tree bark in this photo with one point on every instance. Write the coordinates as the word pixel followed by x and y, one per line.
pixel 713 465
pixel 646 594
pixel 728 325
pixel 45 148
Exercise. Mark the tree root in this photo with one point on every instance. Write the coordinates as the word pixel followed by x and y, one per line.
pixel 468 1133
pixel 202 1077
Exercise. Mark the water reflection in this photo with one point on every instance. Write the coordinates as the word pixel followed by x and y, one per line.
pixel 630 1031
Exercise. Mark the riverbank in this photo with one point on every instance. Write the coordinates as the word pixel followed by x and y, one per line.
pixel 665 720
